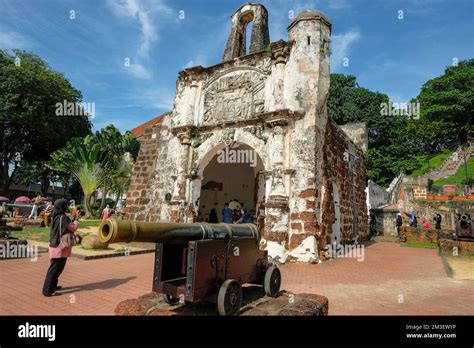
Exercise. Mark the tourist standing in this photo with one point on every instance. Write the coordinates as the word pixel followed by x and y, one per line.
pixel 399 223
pixel 213 217
pixel 437 219
pixel 36 203
pixel 226 214
pixel 414 221
pixel 106 212
pixel 60 225
pixel 426 223
pixel 47 214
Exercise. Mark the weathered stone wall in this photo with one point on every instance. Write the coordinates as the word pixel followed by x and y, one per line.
pixel 152 175
pixel 346 166
pixel 386 221
pixel 455 247
pixel 419 234
pixel 377 196
pixel 275 102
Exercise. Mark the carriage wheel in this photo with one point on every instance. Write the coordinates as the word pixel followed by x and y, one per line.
pixel 272 281
pixel 229 298
pixel 171 300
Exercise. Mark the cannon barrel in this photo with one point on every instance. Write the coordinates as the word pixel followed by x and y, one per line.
pixel 116 231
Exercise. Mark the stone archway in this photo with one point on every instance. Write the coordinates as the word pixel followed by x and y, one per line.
pixel 229 174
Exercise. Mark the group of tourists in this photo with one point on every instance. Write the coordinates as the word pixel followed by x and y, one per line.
pixel 414 221
pixel 231 216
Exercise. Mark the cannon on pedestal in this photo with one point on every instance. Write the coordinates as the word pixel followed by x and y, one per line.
pixel 201 261
pixel 464 228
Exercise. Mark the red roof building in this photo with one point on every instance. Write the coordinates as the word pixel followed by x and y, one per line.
pixel 139 130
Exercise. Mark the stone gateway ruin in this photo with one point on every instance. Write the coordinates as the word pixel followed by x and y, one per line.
pixel 300 175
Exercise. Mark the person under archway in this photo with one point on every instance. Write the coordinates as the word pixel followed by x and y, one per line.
pixel 246 218
pixel 213 217
pixel 226 214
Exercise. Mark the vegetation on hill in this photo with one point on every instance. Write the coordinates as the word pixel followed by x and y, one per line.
pixel 399 142
pixel 459 179
pixel 431 162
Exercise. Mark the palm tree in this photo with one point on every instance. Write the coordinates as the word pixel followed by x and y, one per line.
pixel 115 145
pixel 84 160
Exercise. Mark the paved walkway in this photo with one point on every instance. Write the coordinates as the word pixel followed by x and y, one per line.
pixel 373 286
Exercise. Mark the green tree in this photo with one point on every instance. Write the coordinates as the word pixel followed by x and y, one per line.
pixel 447 105
pixel 389 146
pixel 114 145
pixel 30 130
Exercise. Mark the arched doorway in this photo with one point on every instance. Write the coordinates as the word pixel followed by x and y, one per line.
pixel 233 175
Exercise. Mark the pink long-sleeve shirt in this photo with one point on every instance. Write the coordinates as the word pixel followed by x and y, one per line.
pixel 57 252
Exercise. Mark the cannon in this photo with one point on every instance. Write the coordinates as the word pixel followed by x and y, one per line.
pixel 464 228
pixel 201 261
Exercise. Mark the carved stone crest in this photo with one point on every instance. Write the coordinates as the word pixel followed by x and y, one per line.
pixel 234 96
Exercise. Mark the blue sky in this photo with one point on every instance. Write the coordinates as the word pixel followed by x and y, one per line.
pixel 387 54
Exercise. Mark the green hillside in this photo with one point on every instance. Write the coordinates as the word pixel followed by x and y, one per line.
pixel 460 175
pixel 430 162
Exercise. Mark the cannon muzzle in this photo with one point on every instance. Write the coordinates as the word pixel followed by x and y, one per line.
pixel 116 231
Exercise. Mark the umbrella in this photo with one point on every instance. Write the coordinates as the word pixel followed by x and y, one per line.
pixel 4 199
pixel 22 200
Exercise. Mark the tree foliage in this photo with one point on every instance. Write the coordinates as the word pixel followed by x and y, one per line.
pixel 446 108
pixel 348 102
pixel 447 104
pixel 30 130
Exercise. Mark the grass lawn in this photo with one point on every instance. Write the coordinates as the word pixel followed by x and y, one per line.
pixel 42 233
pixel 430 162
pixel 421 245
pixel 459 176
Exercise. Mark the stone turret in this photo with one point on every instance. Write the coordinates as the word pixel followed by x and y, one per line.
pixel 236 44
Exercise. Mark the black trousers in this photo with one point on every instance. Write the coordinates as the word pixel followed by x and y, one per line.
pixel 54 271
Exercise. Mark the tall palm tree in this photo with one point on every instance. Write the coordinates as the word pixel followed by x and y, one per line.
pixel 85 160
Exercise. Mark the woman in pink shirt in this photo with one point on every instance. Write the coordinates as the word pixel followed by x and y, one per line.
pixel 106 213
pixel 60 224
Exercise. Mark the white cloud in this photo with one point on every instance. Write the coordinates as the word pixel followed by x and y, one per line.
pixel 144 12
pixel 139 71
pixel 341 45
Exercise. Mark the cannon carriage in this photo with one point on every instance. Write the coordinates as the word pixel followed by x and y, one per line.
pixel 201 261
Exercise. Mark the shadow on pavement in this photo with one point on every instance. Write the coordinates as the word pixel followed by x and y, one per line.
pixel 105 284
